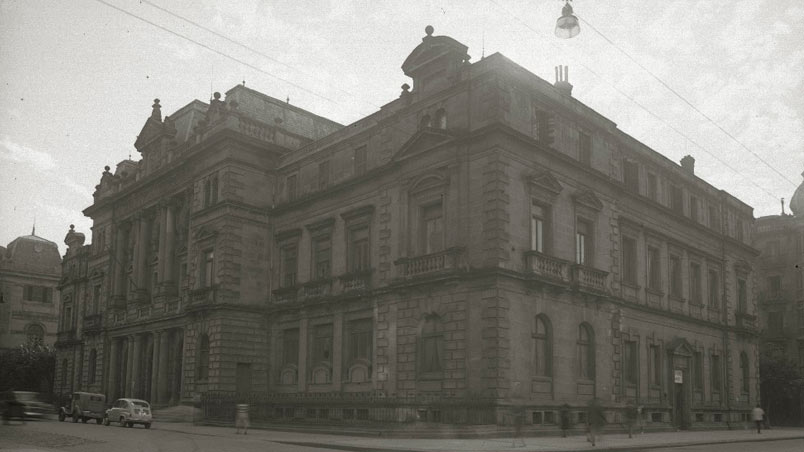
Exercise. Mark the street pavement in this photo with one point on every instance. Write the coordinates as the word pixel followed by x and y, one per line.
pixel 50 435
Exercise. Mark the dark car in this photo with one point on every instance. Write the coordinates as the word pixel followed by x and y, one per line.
pixel 23 405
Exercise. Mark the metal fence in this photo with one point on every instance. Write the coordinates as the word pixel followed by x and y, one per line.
pixel 348 408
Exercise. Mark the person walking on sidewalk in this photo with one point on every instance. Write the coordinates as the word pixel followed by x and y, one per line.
pixel 757 415
pixel 596 419
pixel 565 419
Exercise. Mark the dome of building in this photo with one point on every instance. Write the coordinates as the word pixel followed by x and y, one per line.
pixel 797 201
pixel 32 253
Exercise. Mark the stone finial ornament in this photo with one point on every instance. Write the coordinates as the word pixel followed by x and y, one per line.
pixel 156 113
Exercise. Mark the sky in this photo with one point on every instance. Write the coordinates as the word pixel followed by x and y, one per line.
pixel 721 81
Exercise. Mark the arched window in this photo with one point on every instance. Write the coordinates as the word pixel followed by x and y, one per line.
pixel 441 119
pixel 203 358
pixel 92 366
pixel 431 348
pixel 744 372
pixel 35 334
pixel 586 352
pixel 543 347
pixel 425 122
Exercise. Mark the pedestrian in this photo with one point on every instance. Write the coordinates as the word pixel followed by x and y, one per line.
pixel 565 419
pixel 641 419
pixel 518 413
pixel 241 419
pixel 630 418
pixel 758 414
pixel 596 419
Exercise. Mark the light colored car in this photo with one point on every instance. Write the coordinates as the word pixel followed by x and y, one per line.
pixel 128 412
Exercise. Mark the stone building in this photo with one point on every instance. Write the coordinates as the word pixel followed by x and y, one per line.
pixel 29 303
pixel 780 271
pixel 485 236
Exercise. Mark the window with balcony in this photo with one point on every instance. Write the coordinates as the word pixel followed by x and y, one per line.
pixel 655 365
pixel 539 227
pixel 630 262
pixel 714 290
pixel 322 257
pixel 630 358
pixel 207 273
pixel 321 354
pixel 359 349
pixel 742 296
pixel 543 347
pixel 359 253
pixel 586 352
pixel 360 160
pixel 431 348
pixel 675 277
pixel 323 175
pixel 431 229
pixel 202 368
pixel 631 175
pixel 289 265
pixel 584 149
pixel 696 296
pixel 211 190
pixel 39 294
pixel 653 187
pixel 584 245
pixel 654 269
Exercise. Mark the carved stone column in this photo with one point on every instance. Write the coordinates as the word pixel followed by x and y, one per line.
pixel 163 208
pixel 129 366
pixel 157 337
pixel 170 243
pixel 162 378
pixel 120 258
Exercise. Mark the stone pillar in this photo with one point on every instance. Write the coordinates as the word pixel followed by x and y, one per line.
pixel 170 242
pixel 178 369
pixel 129 366
pixel 136 370
pixel 143 239
pixel 157 338
pixel 162 249
pixel 337 351
pixel 120 260
pixel 162 378
pixel 302 355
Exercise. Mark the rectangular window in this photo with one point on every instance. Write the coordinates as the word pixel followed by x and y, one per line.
pixel 322 344
pixel 292 186
pixel 631 175
pixel 323 175
pixel 717 376
pixel 289 265
pixel 694 208
pixel 714 218
pixel 359 251
pixel 742 296
pixel 629 260
pixel 68 318
pixel 584 149
pixel 360 340
pixel 207 269
pixel 654 268
pixel 653 187
pixel 537 226
pixel 631 364
pixel 655 368
pixel 676 199
pixel 290 346
pixel 774 287
pixel 360 160
pixel 96 295
pixel 776 322
pixel 698 371
pixel 583 243
pixel 714 290
pixel 695 284
pixel 322 257
pixel 675 276
pixel 432 228
pixel 41 294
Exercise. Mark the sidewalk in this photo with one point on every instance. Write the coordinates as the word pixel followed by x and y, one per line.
pixel 617 442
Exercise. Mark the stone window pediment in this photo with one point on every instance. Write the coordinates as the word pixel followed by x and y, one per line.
pixel 588 199
pixel 544 186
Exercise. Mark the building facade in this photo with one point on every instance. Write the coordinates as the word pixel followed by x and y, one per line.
pixel 29 302
pixel 780 238
pixel 484 236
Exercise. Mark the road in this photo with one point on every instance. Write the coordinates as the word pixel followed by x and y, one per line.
pixel 791 445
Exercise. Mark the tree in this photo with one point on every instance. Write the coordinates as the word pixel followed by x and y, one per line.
pixel 29 367
pixel 781 390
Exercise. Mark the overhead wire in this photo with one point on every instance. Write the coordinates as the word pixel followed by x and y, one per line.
pixel 635 102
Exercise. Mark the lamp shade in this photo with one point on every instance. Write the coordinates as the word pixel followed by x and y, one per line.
pixel 567 25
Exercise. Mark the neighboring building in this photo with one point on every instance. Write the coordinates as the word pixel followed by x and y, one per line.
pixel 29 303
pixel 780 238
pixel 484 236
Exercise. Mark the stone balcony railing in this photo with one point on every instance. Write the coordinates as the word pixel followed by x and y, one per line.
pixel 748 322
pixel 285 294
pixel 93 323
pixel 589 278
pixel 547 267
pixel 442 261
pixel 316 289
pixel 356 282
pixel 203 296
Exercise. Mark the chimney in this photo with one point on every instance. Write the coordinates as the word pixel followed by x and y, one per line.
pixel 688 164
pixel 562 80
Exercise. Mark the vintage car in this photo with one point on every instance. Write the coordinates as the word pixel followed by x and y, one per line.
pixel 128 412
pixel 23 405
pixel 84 406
